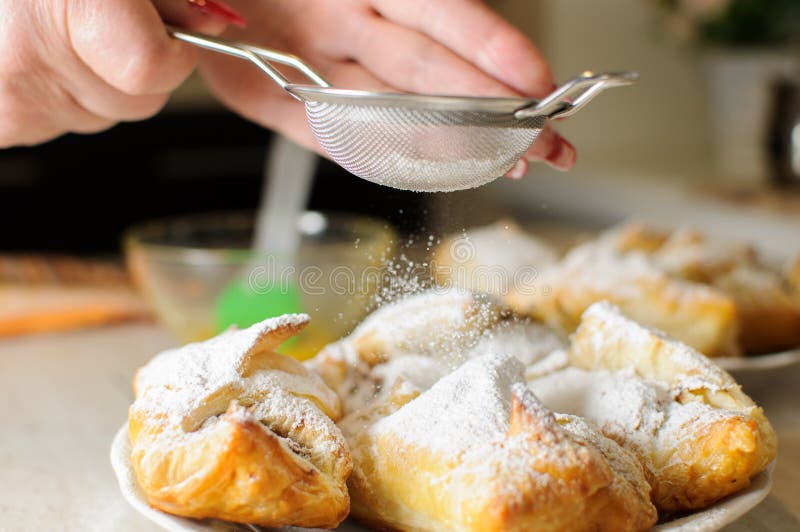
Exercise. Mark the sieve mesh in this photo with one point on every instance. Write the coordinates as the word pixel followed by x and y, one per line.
pixel 425 150
pixel 431 143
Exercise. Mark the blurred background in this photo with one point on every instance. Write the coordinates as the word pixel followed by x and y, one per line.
pixel 709 137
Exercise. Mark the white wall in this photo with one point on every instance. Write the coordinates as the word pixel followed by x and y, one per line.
pixel 658 126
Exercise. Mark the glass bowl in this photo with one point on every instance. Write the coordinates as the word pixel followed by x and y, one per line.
pixel 199 274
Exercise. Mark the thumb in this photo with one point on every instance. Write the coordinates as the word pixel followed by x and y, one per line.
pixel 126 44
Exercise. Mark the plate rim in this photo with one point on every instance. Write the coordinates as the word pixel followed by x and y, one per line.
pixel 120 463
pixel 769 361
pixel 721 514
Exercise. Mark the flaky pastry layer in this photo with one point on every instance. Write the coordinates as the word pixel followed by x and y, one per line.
pixel 229 429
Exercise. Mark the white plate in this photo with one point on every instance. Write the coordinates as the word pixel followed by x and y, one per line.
pixel 760 362
pixel 723 513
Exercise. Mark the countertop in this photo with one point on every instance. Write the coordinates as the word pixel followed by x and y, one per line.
pixel 65 395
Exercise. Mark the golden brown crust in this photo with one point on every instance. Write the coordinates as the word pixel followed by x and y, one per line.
pixel 702 317
pixel 228 429
pixel 636 236
pixel 713 439
pixel 533 474
pixel 238 470
pixel 768 312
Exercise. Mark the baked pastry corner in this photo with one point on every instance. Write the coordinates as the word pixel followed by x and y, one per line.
pixel 698 315
pixel 229 429
pixel 477 451
pixel 712 439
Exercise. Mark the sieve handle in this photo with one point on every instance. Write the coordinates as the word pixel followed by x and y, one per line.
pixel 575 94
pixel 260 57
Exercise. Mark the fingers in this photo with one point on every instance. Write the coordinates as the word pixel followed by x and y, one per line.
pixel 254 96
pixel 250 93
pixel 91 64
pixel 33 114
pixel 550 148
pixel 467 45
pixel 553 149
pixel 124 42
pixel 519 170
pixel 481 37
pixel 98 98
pixel 411 61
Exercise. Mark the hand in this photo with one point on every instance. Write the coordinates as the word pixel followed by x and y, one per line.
pixel 83 65
pixel 442 46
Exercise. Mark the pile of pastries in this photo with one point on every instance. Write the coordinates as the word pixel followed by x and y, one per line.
pixel 446 410
pixel 717 297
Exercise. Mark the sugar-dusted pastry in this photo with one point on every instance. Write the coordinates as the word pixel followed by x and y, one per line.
pixel 769 313
pixel 491 259
pixel 698 315
pixel 424 337
pixel 684 253
pixel 635 236
pixel 477 451
pixel 437 321
pixel 697 434
pixel 229 429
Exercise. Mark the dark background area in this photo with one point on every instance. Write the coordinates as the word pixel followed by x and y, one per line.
pixel 78 193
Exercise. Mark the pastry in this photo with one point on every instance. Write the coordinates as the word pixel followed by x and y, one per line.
pixel 425 336
pixel 698 315
pixel 477 451
pixel 635 236
pixel 492 259
pixel 697 434
pixel 769 314
pixel 229 429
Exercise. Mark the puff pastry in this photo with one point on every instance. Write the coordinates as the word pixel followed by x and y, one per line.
pixel 698 435
pixel 491 259
pixel 769 314
pixel 477 451
pixel 698 315
pixel 229 429
pixel 423 337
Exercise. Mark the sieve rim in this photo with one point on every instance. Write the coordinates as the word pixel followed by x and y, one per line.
pixel 427 102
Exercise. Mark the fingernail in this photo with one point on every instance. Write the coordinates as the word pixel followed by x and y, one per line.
pixel 519 170
pixel 563 155
pixel 219 9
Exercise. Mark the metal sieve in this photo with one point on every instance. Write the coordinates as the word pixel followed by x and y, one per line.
pixel 418 142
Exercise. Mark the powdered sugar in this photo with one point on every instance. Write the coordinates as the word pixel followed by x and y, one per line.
pixel 438 323
pixel 619 403
pixel 189 384
pixel 597 268
pixel 526 340
pixel 492 259
pixel 505 244
pixel 466 409
pixel 487 456
pixel 682 367
pixel 423 337
pixel 184 393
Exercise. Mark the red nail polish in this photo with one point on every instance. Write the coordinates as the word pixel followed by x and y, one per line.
pixel 219 9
